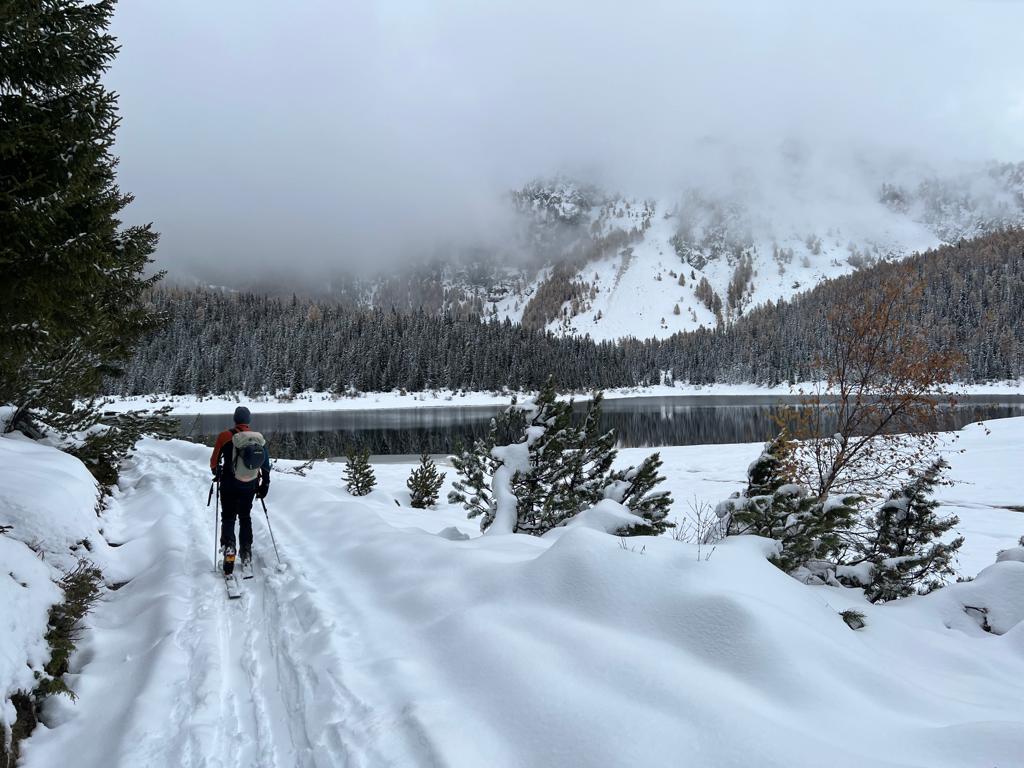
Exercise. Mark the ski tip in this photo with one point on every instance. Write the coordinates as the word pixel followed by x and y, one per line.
pixel 234 590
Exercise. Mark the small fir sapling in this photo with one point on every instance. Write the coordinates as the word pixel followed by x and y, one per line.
pixel 359 477
pixel 424 483
pixel 903 553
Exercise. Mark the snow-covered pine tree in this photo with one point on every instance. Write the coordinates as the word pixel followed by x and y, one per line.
pixel 808 529
pixel 475 466
pixel 903 551
pixel 358 475
pixel 544 492
pixel 71 277
pixel 592 455
pixel 424 483
pixel 634 488
pixel 550 470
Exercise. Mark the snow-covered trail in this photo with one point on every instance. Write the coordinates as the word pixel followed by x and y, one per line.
pixel 173 673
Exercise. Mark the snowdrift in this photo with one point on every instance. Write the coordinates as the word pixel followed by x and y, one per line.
pixel 573 650
pixel 48 504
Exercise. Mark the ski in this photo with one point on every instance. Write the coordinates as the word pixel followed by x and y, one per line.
pixel 247 572
pixel 234 588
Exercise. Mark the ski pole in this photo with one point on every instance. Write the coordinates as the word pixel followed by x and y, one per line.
pixel 271 529
pixel 216 523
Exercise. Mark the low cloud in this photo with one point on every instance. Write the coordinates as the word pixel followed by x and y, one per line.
pixel 263 137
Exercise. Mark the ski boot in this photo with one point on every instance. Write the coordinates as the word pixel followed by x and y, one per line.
pixel 229 559
pixel 246 564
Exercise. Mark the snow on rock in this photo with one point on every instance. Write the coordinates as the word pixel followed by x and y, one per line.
pixel 998 591
pixel 453 534
pixel 1014 554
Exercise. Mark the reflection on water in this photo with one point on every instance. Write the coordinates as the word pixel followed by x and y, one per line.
pixel 639 422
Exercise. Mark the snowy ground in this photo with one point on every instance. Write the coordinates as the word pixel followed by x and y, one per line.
pixel 366 401
pixel 383 643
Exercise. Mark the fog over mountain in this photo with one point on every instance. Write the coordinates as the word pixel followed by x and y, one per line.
pixel 293 139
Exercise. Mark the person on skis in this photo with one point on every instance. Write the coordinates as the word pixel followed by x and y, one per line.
pixel 241 465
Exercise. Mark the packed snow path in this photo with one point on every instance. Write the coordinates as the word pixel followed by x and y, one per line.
pixel 176 674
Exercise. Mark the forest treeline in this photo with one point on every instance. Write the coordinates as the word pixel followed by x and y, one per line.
pixel 216 341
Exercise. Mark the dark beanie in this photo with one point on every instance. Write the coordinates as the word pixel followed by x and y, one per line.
pixel 242 415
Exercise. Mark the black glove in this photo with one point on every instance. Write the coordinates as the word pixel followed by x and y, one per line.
pixel 216 474
pixel 261 492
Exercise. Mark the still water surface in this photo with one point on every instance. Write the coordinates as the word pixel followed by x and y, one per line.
pixel 638 422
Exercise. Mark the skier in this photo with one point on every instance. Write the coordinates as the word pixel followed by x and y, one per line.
pixel 241 465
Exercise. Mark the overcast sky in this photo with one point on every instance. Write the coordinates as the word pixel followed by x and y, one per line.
pixel 321 132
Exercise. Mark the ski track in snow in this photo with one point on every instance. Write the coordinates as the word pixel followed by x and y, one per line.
pixel 264 684
pixel 282 699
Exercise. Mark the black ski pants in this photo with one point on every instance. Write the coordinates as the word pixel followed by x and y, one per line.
pixel 236 503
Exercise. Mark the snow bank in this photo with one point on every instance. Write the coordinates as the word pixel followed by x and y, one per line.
pixel 50 501
pixel 26 594
pixel 48 505
pixel 366 401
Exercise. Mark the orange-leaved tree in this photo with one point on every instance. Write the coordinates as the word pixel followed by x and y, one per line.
pixel 874 416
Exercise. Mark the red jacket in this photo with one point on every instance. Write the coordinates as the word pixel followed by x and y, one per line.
pixel 223 439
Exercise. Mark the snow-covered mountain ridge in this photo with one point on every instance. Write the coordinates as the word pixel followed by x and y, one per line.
pixel 628 267
pixel 584 261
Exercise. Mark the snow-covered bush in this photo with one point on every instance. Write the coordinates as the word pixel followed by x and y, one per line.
pixel 807 528
pixel 1012 554
pixel 901 552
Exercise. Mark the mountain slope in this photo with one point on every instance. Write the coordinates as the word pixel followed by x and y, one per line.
pixel 623 267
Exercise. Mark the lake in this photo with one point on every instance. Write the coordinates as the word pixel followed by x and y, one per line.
pixel 638 422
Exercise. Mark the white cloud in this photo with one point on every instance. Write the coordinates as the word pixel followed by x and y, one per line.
pixel 324 132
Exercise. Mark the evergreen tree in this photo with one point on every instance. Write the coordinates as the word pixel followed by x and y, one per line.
pixel 242 341
pixel 424 483
pixel 592 455
pixel 809 530
pixel 359 477
pixel 634 487
pixel 544 491
pixel 475 467
pixel 561 469
pixel 71 284
pixel 903 548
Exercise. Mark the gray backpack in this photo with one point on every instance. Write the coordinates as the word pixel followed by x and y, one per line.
pixel 248 455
